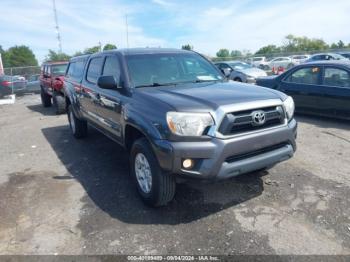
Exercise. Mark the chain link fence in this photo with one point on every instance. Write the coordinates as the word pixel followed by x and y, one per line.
pixel 19 81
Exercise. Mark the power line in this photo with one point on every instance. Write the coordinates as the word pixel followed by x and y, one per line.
pixel 57 28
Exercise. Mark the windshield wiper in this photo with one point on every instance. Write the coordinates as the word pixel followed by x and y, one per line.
pixel 157 84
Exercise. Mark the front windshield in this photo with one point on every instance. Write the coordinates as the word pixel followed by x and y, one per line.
pixel 170 68
pixel 58 70
pixel 240 65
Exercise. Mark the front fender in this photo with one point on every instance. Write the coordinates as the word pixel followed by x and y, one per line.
pixel 142 123
pixel 153 132
pixel 73 100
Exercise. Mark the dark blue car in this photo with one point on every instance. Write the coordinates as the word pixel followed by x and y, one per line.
pixel 321 88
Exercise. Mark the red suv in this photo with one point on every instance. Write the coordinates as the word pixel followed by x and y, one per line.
pixel 51 83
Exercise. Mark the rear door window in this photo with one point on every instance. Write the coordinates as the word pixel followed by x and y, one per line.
pixel 307 75
pixel 94 69
pixel 336 77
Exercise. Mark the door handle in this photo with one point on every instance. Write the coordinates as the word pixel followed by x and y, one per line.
pixel 95 97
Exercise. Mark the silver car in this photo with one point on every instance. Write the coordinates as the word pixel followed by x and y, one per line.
pixel 240 71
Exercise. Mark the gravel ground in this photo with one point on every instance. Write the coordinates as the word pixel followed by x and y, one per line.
pixel 60 195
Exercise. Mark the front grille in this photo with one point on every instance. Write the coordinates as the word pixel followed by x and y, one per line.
pixel 231 159
pixel 243 121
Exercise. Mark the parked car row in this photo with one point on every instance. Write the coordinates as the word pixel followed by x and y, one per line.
pixel 11 84
pixel 18 85
pixel 321 87
pixel 287 62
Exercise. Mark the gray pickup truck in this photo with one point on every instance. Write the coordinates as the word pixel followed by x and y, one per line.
pixel 178 117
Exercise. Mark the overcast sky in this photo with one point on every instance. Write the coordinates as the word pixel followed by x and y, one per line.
pixel 207 25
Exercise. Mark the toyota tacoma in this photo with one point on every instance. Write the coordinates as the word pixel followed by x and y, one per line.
pixel 178 117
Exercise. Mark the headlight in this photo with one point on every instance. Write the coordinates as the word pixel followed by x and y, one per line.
pixel 289 107
pixel 188 124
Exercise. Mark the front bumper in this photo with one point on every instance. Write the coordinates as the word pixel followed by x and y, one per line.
pixel 225 158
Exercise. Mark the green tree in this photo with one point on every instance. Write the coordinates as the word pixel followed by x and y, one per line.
pixel 294 44
pixel 78 53
pixel 235 53
pixel 269 49
pixel 223 53
pixel 53 56
pixel 109 47
pixel 91 50
pixel 341 44
pixel 187 47
pixel 17 56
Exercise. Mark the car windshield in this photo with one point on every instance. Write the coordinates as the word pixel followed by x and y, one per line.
pixel 240 65
pixel 58 70
pixel 169 69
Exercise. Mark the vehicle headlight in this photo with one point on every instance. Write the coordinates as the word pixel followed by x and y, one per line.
pixel 289 107
pixel 188 124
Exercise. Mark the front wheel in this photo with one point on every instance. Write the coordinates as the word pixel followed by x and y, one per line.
pixel 155 187
pixel 77 126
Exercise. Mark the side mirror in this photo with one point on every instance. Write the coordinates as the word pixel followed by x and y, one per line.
pixel 107 82
pixel 226 72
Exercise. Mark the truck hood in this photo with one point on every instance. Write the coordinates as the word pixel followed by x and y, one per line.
pixel 207 96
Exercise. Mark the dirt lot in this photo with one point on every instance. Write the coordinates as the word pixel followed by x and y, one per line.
pixel 60 195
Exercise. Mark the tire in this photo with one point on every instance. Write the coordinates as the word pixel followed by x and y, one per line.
pixel 77 126
pixel 59 103
pixel 45 99
pixel 161 189
pixel 237 79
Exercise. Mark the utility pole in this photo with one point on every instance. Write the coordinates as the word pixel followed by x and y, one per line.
pixel 56 27
pixel 127 31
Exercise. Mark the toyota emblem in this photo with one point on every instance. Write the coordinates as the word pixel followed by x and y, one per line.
pixel 258 117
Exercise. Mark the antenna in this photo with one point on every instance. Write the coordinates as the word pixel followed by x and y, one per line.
pixel 127 31
pixel 57 28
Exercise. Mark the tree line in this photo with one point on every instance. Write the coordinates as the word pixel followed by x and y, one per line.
pixel 291 44
pixel 18 56
pixel 21 55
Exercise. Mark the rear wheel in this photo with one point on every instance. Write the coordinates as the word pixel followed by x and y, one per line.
pixel 77 126
pixel 155 187
pixel 45 99
pixel 59 103
pixel 238 79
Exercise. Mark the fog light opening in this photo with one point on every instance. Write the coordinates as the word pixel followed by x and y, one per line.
pixel 188 163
